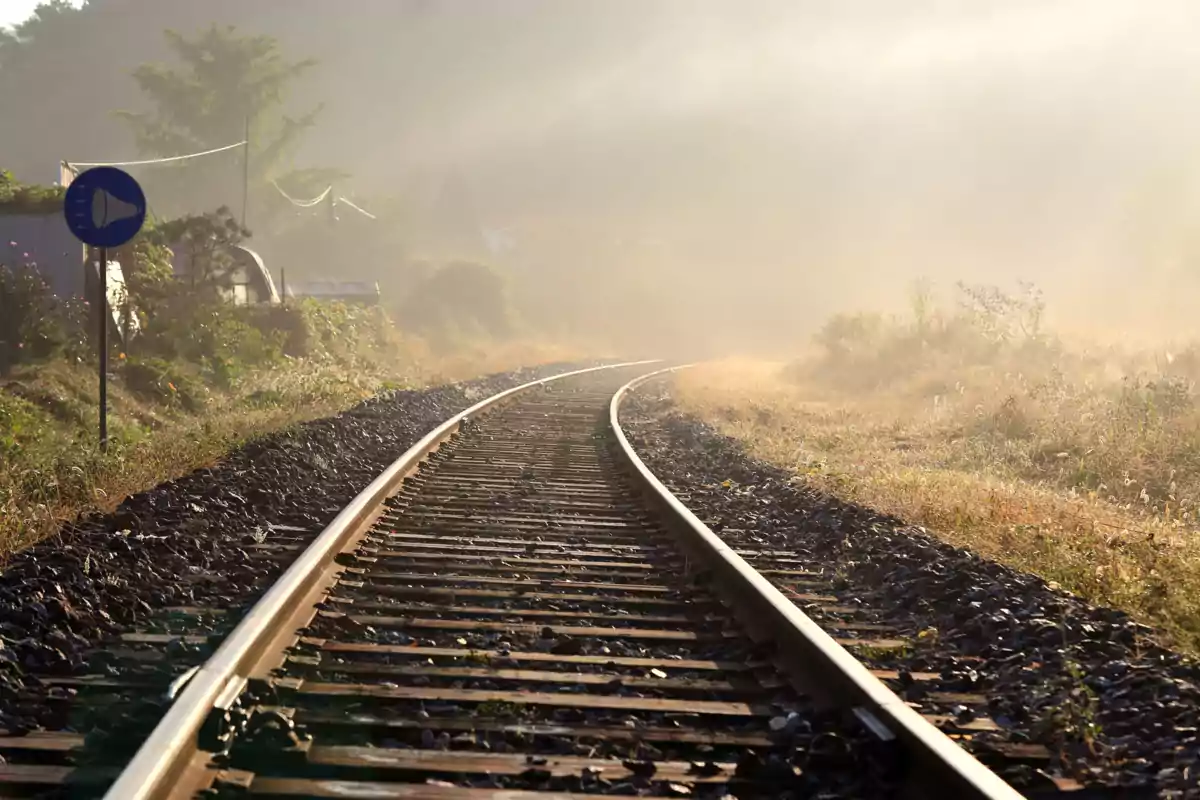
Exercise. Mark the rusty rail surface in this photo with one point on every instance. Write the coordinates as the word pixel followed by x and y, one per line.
pixel 512 612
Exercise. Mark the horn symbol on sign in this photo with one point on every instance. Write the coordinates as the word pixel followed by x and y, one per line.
pixel 107 209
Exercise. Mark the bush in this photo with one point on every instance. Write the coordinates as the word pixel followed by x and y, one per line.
pixel 34 324
pixel 460 298
pixel 162 381
pixel 23 198
pixel 990 329
pixel 287 325
pixel 212 333
pixel 345 331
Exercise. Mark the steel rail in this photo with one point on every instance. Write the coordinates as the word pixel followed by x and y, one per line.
pixel 166 753
pixel 811 658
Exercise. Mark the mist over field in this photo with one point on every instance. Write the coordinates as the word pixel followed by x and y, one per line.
pixel 710 174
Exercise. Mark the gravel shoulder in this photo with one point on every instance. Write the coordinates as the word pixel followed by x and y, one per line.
pixel 1114 707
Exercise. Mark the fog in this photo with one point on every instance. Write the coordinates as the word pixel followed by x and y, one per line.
pixel 768 163
pixel 728 174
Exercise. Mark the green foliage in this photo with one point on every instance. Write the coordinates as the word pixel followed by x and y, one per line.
pixel 50 20
pixel 224 340
pixel 18 420
pixel 149 274
pixel 1071 719
pixel 990 328
pixel 162 381
pixel 291 325
pixel 225 79
pixel 25 198
pixel 34 324
pixel 849 335
pixel 223 84
pixel 460 299
pixel 204 242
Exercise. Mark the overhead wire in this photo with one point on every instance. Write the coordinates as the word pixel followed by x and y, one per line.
pixel 320 199
pixel 148 161
pixel 302 203
pixel 364 212
pixel 73 165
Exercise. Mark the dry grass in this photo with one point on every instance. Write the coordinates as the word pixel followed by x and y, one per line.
pixel 51 470
pixel 1092 487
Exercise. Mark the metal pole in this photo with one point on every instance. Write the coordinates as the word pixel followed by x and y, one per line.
pixel 103 313
pixel 282 286
pixel 246 173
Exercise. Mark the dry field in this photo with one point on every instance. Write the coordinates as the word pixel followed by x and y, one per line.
pixel 1083 468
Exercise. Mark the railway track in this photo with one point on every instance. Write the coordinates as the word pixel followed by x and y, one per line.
pixel 515 610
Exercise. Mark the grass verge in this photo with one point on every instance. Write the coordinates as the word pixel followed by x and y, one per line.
pixel 51 469
pixel 1080 469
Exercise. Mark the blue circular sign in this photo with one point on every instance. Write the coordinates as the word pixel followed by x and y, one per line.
pixel 104 207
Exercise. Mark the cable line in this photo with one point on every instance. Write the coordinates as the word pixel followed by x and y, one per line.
pixel 154 160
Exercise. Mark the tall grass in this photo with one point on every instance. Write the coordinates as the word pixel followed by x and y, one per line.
pixel 1076 461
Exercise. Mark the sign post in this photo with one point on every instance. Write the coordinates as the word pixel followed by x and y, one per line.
pixel 103 349
pixel 104 207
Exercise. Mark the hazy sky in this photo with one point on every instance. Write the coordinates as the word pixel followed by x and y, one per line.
pixel 779 158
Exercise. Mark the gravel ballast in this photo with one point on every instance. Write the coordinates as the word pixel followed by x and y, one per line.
pixel 1113 707
pixel 197 542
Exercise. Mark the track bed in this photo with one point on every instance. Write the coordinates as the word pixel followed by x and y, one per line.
pixel 512 611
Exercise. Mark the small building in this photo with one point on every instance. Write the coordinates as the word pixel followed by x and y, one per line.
pixel 364 293
pixel 45 241
pixel 247 281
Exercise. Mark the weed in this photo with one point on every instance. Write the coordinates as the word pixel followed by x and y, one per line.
pixel 1080 464
pixel 498 708
pixel 1072 719
pixel 871 652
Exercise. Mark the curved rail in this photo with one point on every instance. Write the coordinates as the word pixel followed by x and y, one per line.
pixel 166 752
pixel 811 657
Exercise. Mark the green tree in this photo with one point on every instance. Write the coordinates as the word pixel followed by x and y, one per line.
pixel 462 298
pixel 204 242
pixel 225 79
pixel 49 24
pixel 223 82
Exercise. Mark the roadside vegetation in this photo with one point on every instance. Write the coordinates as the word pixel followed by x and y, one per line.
pixel 1080 463
pixel 191 374
pixel 183 394
pixel 198 375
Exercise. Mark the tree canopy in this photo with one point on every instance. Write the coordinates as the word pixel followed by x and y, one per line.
pixel 223 80
pixel 223 86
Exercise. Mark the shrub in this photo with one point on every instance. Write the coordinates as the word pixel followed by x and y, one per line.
pixel 344 331
pixel 34 324
pixel 203 243
pixel 162 381
pixel 287 325
pixel 848 335
pixel 23 198
pixel 989 329
pixel 460 298
pixel 209 332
